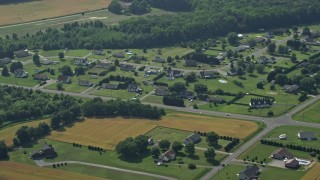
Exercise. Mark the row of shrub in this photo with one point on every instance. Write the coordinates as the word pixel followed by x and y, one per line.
pixel 77 145
pixel 289 146
pixel 236 98
pixel 59 164
pixel 159 76
pixel 232 144
pixel 94 148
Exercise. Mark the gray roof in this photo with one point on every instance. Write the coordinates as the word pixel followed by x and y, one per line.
pixel 250 171
pixel 290 88
pixel 109 86
pixel 194 138
pixel 5 61
pixel 46 147
pixel 304 134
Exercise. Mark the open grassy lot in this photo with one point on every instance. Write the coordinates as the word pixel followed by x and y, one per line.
pixel 311 114
pixel 36 10
pixel 291 132
pixel 313 174
pixel 123 94
pixel 103 173
pixel 11 170
pixel 18 81
pixel 8 133
pixel 229 172
pixel 94 131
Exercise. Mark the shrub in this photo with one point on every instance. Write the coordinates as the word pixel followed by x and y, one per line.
pixel 54 165
pixel 192 166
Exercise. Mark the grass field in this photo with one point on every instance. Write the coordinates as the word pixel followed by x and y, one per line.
pixel 313 174
pixel 37 10
pixel 8 134
pixel 94 131
pixel 311 114
pixel 11 170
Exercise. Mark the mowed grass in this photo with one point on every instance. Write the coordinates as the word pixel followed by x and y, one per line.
pixel 311 114
pixel 107 132
pixel 313 174
pixel 37 10
pixel 12 170
pixel 8 134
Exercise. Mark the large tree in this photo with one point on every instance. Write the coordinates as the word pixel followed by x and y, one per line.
pixel 36 59
pixel 212 138
pixel 272 48
pixel 5 71
pixel 115 7
pixel 210 153
pixel 127 148
pixel 164 144
pixel 67 71
pixel 232 38
pixel 15 65
pixel 190 149
pixel 3 150
pixel 177 146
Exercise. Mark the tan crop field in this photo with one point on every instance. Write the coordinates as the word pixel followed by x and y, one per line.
pixel 43 9
pixel 313 174
pixel 11 170
pixel 8 134
pixel 108 132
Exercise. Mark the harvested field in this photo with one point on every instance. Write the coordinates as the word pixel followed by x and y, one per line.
pixel 108 132
pixel 11 170
pixel 313 174
pixel 8 134
pixel 36 10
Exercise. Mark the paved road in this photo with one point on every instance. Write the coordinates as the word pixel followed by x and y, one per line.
pixel 43 164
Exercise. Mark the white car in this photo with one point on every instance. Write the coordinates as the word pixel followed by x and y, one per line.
pixel 227 114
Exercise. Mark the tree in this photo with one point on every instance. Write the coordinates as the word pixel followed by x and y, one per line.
pixel 192 166
pixel 178 87
pixel 115 7
pixel 281 79
pixel 307 84
pixel 127 148
pixel 177 146
pixel 59 86
pixel 260 85
pixel 250 68
pixel 272 48
pixel 212 138
pixel 15 65
pixel 169 59
pixel 61 55
pixel 67 71
pixel 155 152
pixel 23 135
pixel 260 68
pixel 79 71
pixel 142 143
pixel 191 77
pixel 164 144
pixel 189 149
pixel 232 38
pixel 5 71
pixel 116 62
pixel 200 88
pixel 3 150
pixel 240 71
pixel 55 121
pixel 283 49
pixel 293 57
pixel 36 59
pixel 210 153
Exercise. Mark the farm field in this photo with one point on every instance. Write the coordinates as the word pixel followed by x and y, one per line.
pixel 313 174
pixel 94 131
pixel 11 170
pixel 8 134
pixel 310 114
pixel 38 10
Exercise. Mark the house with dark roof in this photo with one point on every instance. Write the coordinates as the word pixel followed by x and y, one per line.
pixel 168 155
pixel 21 54
pixel 127 67
pixel 250 173
pixel 292 164
pixel 46 151
pixel 291 88
pixel 118 55
pixel 40 77
pixel 159 59
pixel 5 61
pixel 175 73
pixel 232 72
pixel 20 73
pixel 192 138
pixel 257 103
pixel 64 79
pixel 84 83
pixel 47 62
pixel 304 135
pixel 220 58
pixel 151 71
pixel 282 153
pixel 80 61
pixel 208 74
pixel 104 65
pixel 187 95
pixel 266 60
pixel 133 87
pixel 109 86
pixel 98 52
pixel 241 48
pixel 161 91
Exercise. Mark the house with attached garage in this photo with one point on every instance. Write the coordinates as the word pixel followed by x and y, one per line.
pixel 109 86
pixel 257 103
pixel 118 55
pixel 168 155
pixel 20 73
pixel 127 67
pixel 133 87
pixel 187 95
pixel 291 88
pixel 84 83
pixel 98 52
pixel 303 135
pixel 282 153
pixel 5 61
pixel 161 91
pixel 104 65
pixel 292 163
pixel 41 77
pixel 208 74
pixel 192 138
pixel 250 173
pixel 175 73
pixel 159 59
pixel 64 79
pixel 46 151
pixel 80 61
pixel 21 54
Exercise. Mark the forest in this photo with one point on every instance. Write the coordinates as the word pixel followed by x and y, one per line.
pixel 206 19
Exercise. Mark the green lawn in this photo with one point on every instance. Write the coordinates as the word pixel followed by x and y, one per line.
pixel 153 99
pixel 68 152
pixel 123 94
pixel 73 87
pixel 229 172
pixel 311 114
pixel 19 81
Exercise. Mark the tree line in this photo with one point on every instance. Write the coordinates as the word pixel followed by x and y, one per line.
pixel 290 146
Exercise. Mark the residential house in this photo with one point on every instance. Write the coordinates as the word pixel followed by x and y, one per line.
pixel 35 155
pixel 250 173
pixel 21 54
pixel 168 155
pixel 118 55
pixel 269 35
pixel 40 77
pixel 187 95
pixel 282 153
pixel 46 151
pixel 150 142
pixel 208 74
pixel 162 91
pixel 80 61
pixel 220 58
pixel 138 58
pixel 5 61
pixel 47 62
pixel 292 163
pixel 175 73
pixel 191 63
pixel 20 73
pixel 110 86
pixel 291 88
pixel 259 39
pixel 98 52
pixel 127 67
pixel 303 135
pixel 151 71
pixel 84 83
pixel 133 87
pixel 104 65
pixel 215 99
pixel 241 48
pixel 64 79
pixel 159 59
pixel 257 103
pixel 192 138
pixel 232 72
pixel 266 60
